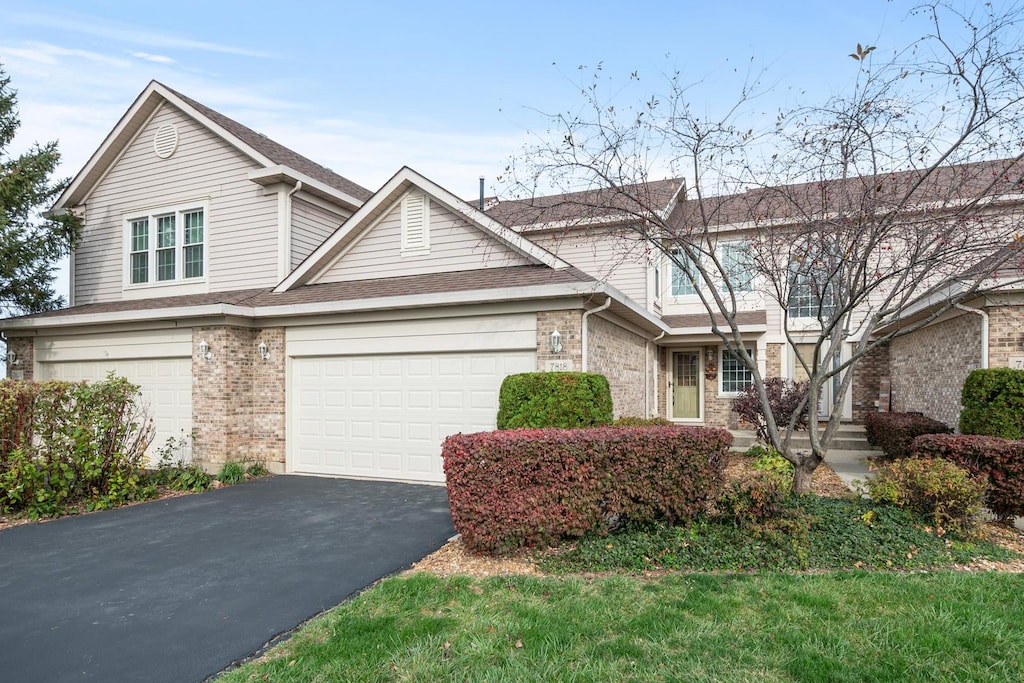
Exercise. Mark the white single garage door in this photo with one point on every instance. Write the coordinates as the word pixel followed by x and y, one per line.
pixel 385 417
pixel 165 383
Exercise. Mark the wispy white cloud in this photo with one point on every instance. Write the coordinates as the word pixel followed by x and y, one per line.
pixel 127 33
pixel 158 59
pixel 46 53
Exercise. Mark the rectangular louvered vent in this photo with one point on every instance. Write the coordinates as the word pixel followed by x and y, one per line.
pixel 415 223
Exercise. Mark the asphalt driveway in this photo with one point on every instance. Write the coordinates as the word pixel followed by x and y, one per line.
pixel 176 590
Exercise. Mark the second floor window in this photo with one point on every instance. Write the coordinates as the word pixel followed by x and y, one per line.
pixel 685 277
pixel 167 246
pixel 736 266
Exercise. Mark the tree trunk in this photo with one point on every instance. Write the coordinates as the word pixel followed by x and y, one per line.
pixel 803 471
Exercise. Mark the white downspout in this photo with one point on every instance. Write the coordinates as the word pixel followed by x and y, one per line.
pixel 583 329
pixel 647 378
pixel 984 330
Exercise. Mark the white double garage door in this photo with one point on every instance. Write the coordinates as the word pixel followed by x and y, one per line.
pixel 383 409
pixel 373 400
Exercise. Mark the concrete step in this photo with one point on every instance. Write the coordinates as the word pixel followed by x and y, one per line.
pixel 848 438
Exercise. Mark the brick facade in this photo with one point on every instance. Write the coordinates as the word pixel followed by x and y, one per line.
pixel 867 380
pixel 622 357
pixel 569 325
pixel 773 360
pixel 928 367
pixel 25 351
pixel 717 409
pixel 1005 334
pixel 238 398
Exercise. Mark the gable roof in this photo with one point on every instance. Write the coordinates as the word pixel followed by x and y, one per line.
pixel 602 205
pixel 405 179
pixel 280 162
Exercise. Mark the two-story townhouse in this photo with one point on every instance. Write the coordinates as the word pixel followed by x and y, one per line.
pixel 277 311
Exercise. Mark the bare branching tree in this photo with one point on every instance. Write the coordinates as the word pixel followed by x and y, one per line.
pixel 905 193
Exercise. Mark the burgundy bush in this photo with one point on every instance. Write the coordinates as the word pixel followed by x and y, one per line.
pixel 1000 461
pixel 784 397
pixel 895 432
pixel 535 487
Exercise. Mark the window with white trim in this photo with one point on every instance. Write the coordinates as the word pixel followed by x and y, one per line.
pixel 685 277
pixel 733 375
pixel 167 246
pixel 737 266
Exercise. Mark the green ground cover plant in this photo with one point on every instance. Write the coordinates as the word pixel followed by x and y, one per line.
pixel 846 626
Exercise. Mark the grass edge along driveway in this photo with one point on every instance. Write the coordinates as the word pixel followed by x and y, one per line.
pixel 839 626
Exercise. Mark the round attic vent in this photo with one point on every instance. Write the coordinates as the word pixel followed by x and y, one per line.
pixel 165 142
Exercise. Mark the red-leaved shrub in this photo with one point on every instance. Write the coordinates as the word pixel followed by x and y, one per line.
pixel 895 432
pixel 535 487
pixel 1000 461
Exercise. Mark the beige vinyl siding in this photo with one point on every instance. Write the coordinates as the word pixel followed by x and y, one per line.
pixel 241 225
pixel 454 245
pixel 311 225
pixel 603 255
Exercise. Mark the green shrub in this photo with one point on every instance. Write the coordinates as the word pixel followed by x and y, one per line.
pixel 632 421
pixel 998 461
pixel 894 433
pixel 65 444
pixel 754 500
pixel 536 487
pixel 231 473
pixel 993 403
pixel 566 400
pixel 945 493
pixel 257 469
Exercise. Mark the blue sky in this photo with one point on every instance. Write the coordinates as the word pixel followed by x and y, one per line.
pixel 453 89
pixel 450 88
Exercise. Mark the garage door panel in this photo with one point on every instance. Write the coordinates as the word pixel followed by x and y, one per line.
pixel 397 410
pixel 165 385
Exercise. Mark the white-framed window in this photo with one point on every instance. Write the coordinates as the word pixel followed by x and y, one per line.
pixel 733 375
pixel 686 277
pixel 736 265
pixel 166 246
pixel 811 285
pixel 415 224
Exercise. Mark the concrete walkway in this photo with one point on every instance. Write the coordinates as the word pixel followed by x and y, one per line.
pixel 851 465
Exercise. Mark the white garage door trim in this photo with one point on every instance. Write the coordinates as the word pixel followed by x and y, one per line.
pixel 385 416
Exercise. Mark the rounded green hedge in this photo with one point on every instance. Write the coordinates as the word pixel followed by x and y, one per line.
pixel 993 403
pixel 566 400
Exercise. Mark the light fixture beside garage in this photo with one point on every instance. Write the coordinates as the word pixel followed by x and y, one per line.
pixel 12 357
pixel 204 350
pixel 263 350
pixel 556 342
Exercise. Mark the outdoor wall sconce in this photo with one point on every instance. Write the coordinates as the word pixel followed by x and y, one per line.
pixel 556 342
pixel 12 357
pixel 204 350
pixel 263 350
pixel 710 364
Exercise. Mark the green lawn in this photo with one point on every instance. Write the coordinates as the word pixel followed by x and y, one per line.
pixel 840 626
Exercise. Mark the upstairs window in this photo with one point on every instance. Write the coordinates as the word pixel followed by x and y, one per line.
pixel 167 246
pixel 736 266
pixel 812 277
pixel 685 277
